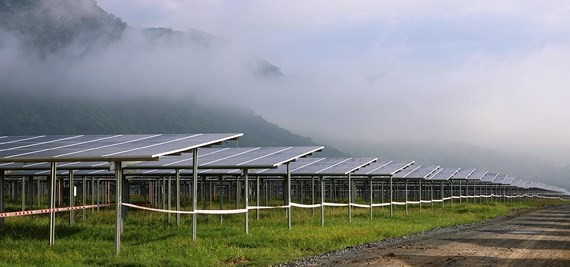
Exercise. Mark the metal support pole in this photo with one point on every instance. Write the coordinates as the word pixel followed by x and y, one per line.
pixel 178 196
pixel 442 196
pixel 460 193
pixel 451 185
pixel 382 193
pixel 194 191
pixel 221 182
pixel 420 191
pixel 169 196
pixel 84 195
pixel 322 200
pixel 23 193
pixel 391 198
pixel 349 198
pixel 52 203
pixel 257 197
pixel 312 195
pixel 1 197
pixel 93 193
pixel 118 211
pixel 289 209
pixel 31 192
pixel 431 188
pixel 71 198
pixel 370 192
pixel 163 192
pixel 246 200
pixel 406 195
pixel 203 192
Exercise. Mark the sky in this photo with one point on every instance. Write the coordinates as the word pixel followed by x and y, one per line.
pixel 488 73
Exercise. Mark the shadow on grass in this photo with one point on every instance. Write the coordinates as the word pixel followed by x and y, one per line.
pixel 35 232
pixel 138 240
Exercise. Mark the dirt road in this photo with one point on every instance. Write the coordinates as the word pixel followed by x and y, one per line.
pixel 536 238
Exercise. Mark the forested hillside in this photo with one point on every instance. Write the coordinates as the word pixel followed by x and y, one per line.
pixel 56 34
pixel 26 114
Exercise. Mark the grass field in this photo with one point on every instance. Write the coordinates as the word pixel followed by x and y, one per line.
pixel 149 239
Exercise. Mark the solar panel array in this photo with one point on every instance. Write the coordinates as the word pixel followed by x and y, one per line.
pixel 444 174
pixel 92 154
pixel 489 177
pixel 384 168
pixel 231 158
pixel 500 178
pixel 421 172
pixel 62 148
pixel 463 174
pixel 323 166
pixel 477 175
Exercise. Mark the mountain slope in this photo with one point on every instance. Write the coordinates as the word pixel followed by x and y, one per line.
pixel 56 33
pixel 25 114
pixel 467 156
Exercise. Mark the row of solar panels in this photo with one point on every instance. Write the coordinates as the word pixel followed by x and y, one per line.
pixel 161 155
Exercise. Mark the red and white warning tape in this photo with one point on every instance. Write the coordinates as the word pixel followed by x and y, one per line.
pixel 33 212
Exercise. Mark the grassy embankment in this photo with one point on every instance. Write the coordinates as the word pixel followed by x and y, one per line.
pixel 149 239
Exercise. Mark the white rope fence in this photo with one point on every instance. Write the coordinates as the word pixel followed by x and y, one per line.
pixel 42 211
pixel 297 205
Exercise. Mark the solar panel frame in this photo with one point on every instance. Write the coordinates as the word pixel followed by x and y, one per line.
pixel 70 148
pixel 489 177
pixel 421 172
pixel 477 175
pixel 383 168
pixel 323 167
pixel 233 158
pixel 463 174
pixel 508 180
pixel 499 179
pixel 443 174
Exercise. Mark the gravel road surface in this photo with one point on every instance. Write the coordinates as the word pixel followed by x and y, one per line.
pixel 531 238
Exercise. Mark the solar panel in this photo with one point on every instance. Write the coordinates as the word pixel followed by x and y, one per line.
pixel 421 172
pixel 68 148
pixel 323 166
pixel 508 180
pixel 233 158
pixel 516 182
pixel 463 174
pixel 80 165
pixel 477 175
pixel 384 168
pixel 489 177
pixel 499 179
pixel 444 174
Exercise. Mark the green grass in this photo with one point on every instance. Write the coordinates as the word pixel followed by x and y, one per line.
pixel 149 239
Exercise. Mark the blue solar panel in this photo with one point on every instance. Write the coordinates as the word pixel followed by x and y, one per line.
pixel 499 179
pixel 444 174
pixel 233 158
pixel 463 174
pixel 477 175
pixel 102 147
pixel 421 172
pixel 384 168
pixel 322 166
pixel 489 177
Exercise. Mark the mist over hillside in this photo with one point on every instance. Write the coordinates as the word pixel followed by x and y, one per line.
pixel 69 66
pixel 72 68
pixel 460 155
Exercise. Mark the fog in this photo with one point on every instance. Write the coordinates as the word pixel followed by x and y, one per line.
pixel 488 74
